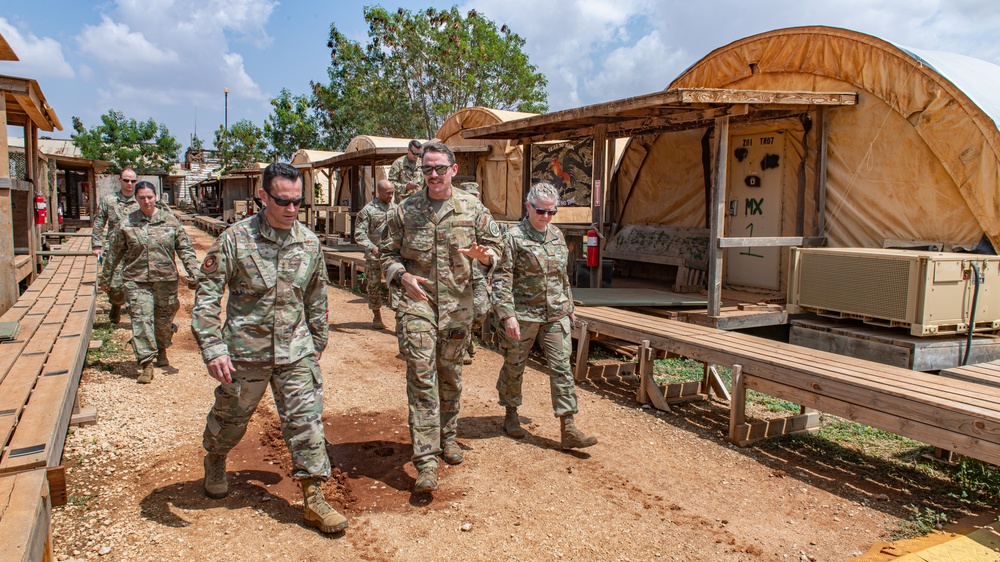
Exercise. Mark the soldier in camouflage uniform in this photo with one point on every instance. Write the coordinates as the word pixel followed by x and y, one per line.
pixel 368 231
pixel 480 287
pixel 111 209
pixel 405 172
pixel 532 300
pixel 144 243
pixel 431 241
pixel 274 332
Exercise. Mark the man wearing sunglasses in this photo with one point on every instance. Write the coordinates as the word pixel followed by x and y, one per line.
pixel 532 299
pixel 431 241
pixel 405 172
pixel 110 211
pixel 273 333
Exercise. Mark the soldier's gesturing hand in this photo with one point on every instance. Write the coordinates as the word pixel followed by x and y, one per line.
pixel 412 285
pixel 512 328
pixel 478 252
pixel 221 368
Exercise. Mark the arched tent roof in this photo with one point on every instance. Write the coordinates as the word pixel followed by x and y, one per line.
pixel 362 142
pixel 306 156
pixel 918 158
pixel 499 170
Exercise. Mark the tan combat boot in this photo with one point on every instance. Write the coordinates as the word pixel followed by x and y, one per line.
pixel 573 438
pixel 318 513
pixel 161 358
pixel 427 479
pixel 377 323
pixel 451 452
pixel 147 374
pixel 216 485
pixel 512 425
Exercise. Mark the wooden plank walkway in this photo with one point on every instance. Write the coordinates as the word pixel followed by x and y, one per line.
pixel 39 376
pixel 961 415
pixel 210 225
pixel 348 263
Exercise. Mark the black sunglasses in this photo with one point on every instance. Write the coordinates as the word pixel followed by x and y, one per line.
pixel 550 212
pixel 439 169
pixel 285 202
pixel 128 180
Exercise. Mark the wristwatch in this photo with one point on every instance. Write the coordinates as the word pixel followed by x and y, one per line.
pixel 399 276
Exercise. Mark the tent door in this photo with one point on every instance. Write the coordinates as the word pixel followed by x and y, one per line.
pixel 755 190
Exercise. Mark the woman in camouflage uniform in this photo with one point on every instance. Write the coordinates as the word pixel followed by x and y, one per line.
pixel 145 243
pixel 532 300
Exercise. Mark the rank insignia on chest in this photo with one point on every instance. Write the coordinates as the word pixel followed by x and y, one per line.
pixel 210 264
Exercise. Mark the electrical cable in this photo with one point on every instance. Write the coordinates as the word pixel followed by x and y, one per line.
pixel 972 314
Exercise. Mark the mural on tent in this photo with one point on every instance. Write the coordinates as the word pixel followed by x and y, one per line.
pixel 567 166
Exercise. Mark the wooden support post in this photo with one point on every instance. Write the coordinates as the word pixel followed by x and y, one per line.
pixel 649 391
pixel 822 133
pixel 717 213
pixel 715 383
pixel 737 404
pixel 582 351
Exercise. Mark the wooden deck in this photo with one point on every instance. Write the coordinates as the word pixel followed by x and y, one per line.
pixel 348 263
pixel 39 375
pixel 957 414
pixel 210 225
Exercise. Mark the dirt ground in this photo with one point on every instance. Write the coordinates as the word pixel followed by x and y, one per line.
pixel 657 486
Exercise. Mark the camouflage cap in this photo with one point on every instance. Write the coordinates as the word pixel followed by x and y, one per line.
pixel 470 187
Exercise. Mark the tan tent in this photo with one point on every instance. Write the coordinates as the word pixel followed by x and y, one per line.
pixel 367 182
pixel 916 160
pixel 322 181
pixel 497 171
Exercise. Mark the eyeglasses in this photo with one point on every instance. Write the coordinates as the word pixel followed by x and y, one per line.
pixel 439 169
pixel 417 153
pixel 126 180
pixel 285 202
pixel 550 212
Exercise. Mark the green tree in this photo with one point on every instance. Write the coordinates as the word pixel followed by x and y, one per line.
pixel 417 69
pixel 292 125
pixel 242 146
pixel 146 146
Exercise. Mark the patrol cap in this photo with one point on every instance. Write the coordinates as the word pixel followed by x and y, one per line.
pixel 470 187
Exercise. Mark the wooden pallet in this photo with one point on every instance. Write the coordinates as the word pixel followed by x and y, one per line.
pixel 961 415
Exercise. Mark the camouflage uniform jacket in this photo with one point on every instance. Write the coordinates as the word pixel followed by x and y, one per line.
pixel 277 309
pixel 371 223
pixel 145 246
pixel 531 283
pixel 424 245
pixel 402 171
pixel 110 211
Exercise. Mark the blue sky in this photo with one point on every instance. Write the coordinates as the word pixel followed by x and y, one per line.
pixel 170 59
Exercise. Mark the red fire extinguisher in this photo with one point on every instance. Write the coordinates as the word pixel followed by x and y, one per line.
pixel 60 214
pixel 593 257
pixel 40 209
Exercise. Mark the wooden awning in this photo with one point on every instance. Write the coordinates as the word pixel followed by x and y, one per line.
pixel 6 53
pixel 24 101
pixel 669 110
pixel 381 156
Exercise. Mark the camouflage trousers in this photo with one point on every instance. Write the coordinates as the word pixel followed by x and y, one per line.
pixel 152 307
pixel 557 343
pixel 116 290
pixel 378 291
pixel 433 384
pixel 298 397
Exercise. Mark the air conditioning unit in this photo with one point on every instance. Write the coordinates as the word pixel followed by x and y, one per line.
pixel 928 292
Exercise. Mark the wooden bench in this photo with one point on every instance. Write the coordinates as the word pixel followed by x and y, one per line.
pixel 40 369
pixel 956 414
pixel 685 248
pixel 348 264
pixel 25 517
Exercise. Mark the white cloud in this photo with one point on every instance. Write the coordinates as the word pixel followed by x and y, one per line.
pixel 116 45
pixel 39 57
pixel 636 69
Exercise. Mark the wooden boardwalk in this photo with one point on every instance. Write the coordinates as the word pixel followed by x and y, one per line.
pixel 960 414
pixel 348 263
pixel 39 375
